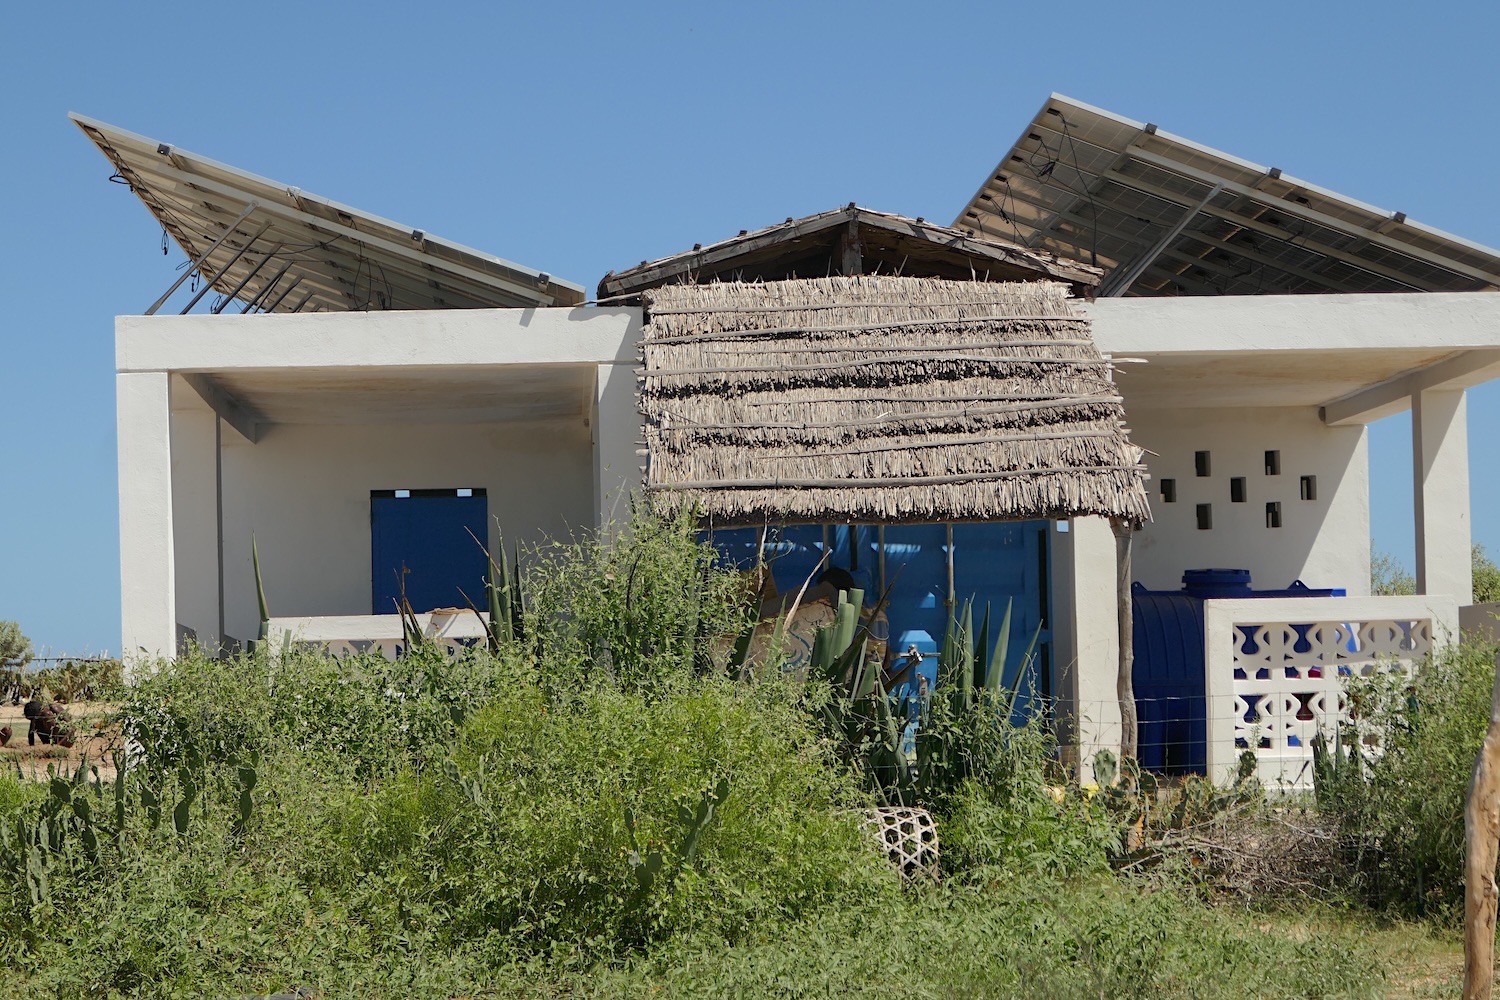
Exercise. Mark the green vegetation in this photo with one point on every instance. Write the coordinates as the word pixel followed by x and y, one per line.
pixel 1400 809
pixel 1388 577
pixel 15 648
pixel 600 802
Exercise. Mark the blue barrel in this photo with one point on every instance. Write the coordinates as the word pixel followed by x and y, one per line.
pixel 1171 706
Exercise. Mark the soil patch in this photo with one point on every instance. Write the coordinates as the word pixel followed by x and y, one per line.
pixel 96 741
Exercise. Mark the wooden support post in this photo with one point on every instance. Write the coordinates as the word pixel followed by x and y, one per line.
pixel 1481 841
pixel 1124 680
pixel 851 251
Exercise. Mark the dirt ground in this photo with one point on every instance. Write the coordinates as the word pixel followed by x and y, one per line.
pixel 95 743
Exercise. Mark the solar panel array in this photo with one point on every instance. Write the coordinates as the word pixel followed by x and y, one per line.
pixel 1083 183
pixel 297 252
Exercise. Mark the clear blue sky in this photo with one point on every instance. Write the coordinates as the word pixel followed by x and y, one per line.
pixel 576 138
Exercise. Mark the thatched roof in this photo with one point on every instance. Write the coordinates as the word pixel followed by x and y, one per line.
pixel 883 399
pixel 849 241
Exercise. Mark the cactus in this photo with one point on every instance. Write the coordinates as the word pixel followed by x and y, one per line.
pixel 647 867
pixel 260 594
pixel 502 589
pixel 182 814
pixel 246 777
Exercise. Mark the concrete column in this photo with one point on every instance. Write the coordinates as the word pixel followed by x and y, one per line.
pixel 1090 683
pixel 148 605
pixel 617 435
pixel 1440 479
pixel 195 529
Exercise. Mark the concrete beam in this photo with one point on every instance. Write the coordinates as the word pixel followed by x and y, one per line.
pixel 1437 322
pixel 433 338
pixel 234 413
pixel 1461 371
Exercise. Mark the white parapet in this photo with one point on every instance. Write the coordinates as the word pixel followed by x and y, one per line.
pixel 1276 668
pixel 453 630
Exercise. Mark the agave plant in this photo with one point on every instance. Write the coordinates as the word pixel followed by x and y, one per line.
pixel 971 699
pixel 502 588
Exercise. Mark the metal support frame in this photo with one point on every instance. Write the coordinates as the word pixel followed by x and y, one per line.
pixel 246 280
pixel 219 274
pixel 277 301
pixel 1122 278
pixel 201 258
pixel 266 288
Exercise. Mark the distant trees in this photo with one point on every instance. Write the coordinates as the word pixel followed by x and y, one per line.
pixel 1486 577
pixel 1389 577
pixel 15 648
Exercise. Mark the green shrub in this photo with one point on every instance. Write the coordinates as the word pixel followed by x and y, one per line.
pixel 1027 830
pixel 1401 809
pixel 526 830
pixel 655 604
pixel 367 713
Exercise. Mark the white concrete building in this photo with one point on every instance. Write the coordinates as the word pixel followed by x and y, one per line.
pixel 369 358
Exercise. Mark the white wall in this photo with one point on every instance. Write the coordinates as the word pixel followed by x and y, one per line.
pixel 1323 542
pixel 304 491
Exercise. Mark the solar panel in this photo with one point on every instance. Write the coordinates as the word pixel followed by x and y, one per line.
pixel 277 248
pixel 1167 216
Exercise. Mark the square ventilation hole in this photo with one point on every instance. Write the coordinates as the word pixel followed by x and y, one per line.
pixel 1273 463
pixel 1205 516
pixel 1201 463
pixel 1273 514
pixel 1237 489
pixel 1309 487
pixel 1169 491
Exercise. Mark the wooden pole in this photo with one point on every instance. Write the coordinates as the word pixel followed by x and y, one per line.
pixel 1124 680
pixel 1481 841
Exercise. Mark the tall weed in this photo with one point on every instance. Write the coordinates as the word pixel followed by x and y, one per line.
pixel 1402 778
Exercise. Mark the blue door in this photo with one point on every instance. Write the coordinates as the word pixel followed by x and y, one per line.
pixel 425 536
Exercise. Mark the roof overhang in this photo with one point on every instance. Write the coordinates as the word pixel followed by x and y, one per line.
pixel 1354 358
pixel 1167 216
pixel 280 249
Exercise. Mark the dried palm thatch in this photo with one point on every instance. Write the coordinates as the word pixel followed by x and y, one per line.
pixel 882 399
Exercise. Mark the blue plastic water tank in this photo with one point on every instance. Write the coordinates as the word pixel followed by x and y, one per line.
pixel 1168 673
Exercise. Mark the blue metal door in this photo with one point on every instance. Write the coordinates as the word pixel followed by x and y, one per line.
pixel 424 535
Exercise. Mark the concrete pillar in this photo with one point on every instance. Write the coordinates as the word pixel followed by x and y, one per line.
pixel 1440 479
pixel 1095 646
pixel 148 605
pixel 617 436
pixel 195 528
